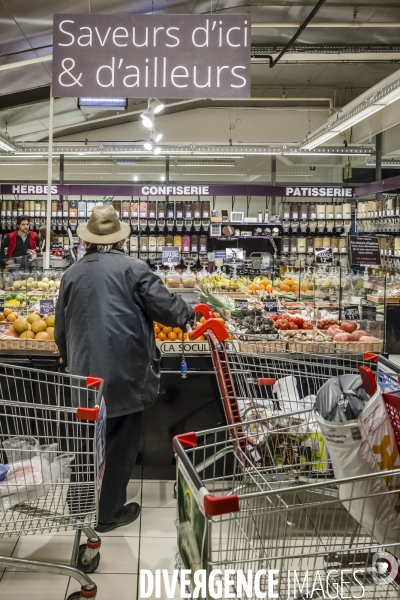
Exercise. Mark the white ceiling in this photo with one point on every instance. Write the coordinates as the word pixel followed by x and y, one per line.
pixel 26 32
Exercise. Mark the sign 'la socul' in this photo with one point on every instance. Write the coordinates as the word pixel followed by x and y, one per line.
pixel 143 56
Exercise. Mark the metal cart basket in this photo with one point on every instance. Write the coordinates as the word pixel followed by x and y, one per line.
pixel 52 444
pixel 273 505
pixel 256 383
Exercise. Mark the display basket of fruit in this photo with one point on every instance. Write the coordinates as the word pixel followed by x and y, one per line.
pixel 27 333
pixel 308 340
pixel 347 336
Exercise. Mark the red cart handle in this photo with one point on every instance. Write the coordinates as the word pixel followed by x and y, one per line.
pixel 205 310
pixel 368 379
pixel 213 325
pixel 266 381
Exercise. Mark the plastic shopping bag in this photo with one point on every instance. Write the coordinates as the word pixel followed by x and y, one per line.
pixel 364 446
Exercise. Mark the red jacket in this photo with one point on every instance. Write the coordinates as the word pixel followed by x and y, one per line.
pixel 13 242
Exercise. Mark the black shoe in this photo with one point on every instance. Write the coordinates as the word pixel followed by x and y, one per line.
pixel 129 514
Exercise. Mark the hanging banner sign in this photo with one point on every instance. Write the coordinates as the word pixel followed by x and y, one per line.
pixel 40 189
pixel 150 56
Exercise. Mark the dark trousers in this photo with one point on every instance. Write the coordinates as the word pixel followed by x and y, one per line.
pixel 122 444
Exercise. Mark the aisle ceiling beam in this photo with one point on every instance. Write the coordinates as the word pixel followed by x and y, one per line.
pixel 315 10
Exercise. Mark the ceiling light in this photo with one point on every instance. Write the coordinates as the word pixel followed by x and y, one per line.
pixel 148 118
pixel 135 178
pixel 7 144
pixel 156 105
pixel 384 163
pixel 148 145
pixel 155 136
pixel 157 150
pixel 366 108
pixel 162 177
pixel 110 103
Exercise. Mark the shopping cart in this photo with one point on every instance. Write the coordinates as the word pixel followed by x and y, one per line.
pixel 52 435
pixel 261 513
pixel 278 377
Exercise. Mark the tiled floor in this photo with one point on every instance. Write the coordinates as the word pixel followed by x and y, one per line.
pixel 149 543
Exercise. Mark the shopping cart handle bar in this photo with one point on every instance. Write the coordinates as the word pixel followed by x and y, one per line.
pixel 205 310
pixel 220 505
pixel 266 381
pixel 187 440
pixel 215 326
pixel 94 382
pixel 87 414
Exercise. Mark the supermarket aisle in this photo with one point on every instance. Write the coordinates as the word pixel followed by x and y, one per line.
pixel 149 543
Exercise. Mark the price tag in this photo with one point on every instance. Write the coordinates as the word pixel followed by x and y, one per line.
pixel 323 256
pixel 170 255
pixel 351 313
pixel 241 304
pixel 270 305
pixel 368 313
pixel 46 307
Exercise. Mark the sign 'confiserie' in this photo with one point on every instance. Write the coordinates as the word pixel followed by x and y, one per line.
pixel 145 56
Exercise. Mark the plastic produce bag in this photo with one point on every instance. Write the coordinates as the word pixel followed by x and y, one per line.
pixel 20 447
pixel 364 446
pixel 30 480
pixel 288 396
pixel 341 399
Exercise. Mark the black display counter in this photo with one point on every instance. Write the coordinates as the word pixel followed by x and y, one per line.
pixel 183 405
pixel 392 329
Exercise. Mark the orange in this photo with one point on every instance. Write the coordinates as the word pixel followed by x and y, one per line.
pixel 264 282
pixel 180 336
pixel 294 288
pixel 221 320
pixel 303 288
pixel 217 315
pixel 172 336
pixel 11 318
pixel 167 330
pixel 161 336
pixel 7 311
pixel 177 330
pixel 2 317
pixel 202 320
pixel 157 330
pixel 200 338
pixel 284 288
pixel 268 288
pixel 185 336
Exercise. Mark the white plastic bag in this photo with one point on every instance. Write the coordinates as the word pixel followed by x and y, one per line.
pixel 361 447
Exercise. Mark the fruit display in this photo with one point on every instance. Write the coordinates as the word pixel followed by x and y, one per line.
pixel 33 327
pixel 25 288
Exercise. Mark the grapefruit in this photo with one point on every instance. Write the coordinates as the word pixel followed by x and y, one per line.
pixel 11 333
pixel 33 317
pixel 50 321
pixel 7 311
pixel 38 326
pixel 11 318
pixel 20 325
pixel 42 335
pixel 50 332
pixel 27 334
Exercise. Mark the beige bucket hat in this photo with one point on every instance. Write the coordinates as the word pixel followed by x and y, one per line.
pixel 103 227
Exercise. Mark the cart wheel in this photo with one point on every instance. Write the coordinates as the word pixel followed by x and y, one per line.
pixel 90 567
pixel 83 594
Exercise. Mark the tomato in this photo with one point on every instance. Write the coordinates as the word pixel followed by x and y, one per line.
pixel 308 326
pixel 298 321
pixel 293 326
pixel 282 324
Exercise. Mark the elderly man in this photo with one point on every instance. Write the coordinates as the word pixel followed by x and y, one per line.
pixel 104 328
